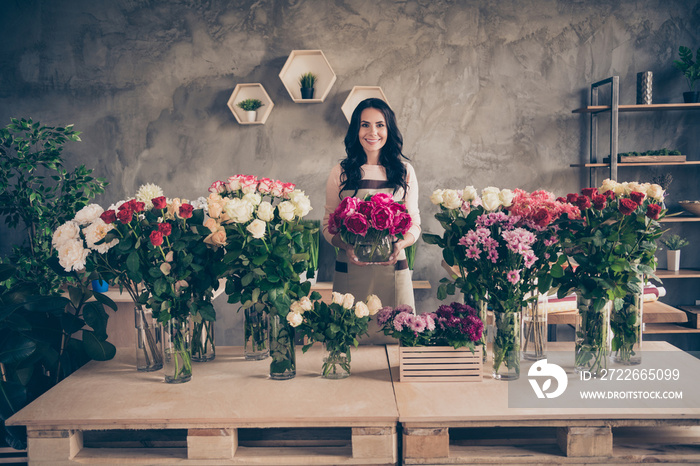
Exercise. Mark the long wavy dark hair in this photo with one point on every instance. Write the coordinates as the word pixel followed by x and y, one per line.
pixel 390 155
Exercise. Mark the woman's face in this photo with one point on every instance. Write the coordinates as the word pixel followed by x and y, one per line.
pixel 373 131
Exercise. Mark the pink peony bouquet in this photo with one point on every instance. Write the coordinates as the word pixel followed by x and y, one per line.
pixel 370 224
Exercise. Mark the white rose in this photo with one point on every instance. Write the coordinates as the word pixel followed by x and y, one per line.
pixel 620 189
pixel 306 304
pixel 165 267
pixel 490 190
pixel 88 214
pixel 296 308
pixel 337 298
pixel 348 301
pixel 634 186
pixel 469 193
pixel 72 255
pixel 656 192
pixel 253 198
pixel 257 228
pixel 96 232
pixel 437 197
pixel 608 185
pixel 361 309
pixel 491 201
pixel 374 304
pixel 294 319
pixel 239 210
pixel 286 211
pixel 266 212
pixel 506 196
pixel 451 199
pixel 302 204
pixel 69 231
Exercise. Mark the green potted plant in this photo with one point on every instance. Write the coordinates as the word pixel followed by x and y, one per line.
pixel 250 106
pixel 306 82
pixel 673 244
pixel 691 70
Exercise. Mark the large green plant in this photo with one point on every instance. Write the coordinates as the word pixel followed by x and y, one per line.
pixel 689 67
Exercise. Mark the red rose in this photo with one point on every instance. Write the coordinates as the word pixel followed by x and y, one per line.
pixel 125 215
pixel 542 217
pixel 627 206
pixel 599 201
pixel 571 198
pixel 347 207
pixel 396 207
pixel 402 223
pixel 382 217
pixel 139 206
pixel 653 211
pixel 609 194
pixel 333 224
pixel 186 210
pixel 382 198
pixel 561 199
pixel 128 205
pixel 589 192
pixel 357 223
pixel 156 238
pixel 159 202
pixel 108 216
pixel 583 202
pixel 165 228
pixel 365 208
pixel 637 196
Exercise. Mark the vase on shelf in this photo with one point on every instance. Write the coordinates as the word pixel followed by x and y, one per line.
pixel 256 334
pixel 177 352
pixel 283 365
pixel 535 329
pixel 336 364
pixel 673 260
pixel 506 345
pixel 626 330
pixel 251 115
pixel 481 306
pixel 203 345
pixel 149 341
pixel 591 339
pixel 307 92
pixel 378 250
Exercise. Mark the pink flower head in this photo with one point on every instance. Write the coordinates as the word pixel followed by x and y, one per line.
pixel 347 207
pixel 265 185
pixel 513 276
pixel 402 223
pixel 417 324
pixel 365 208
pixel 277 188
pixel 402 319
pixel 287 189
pixel 382 218
pixel 249 184
pixel 233 183
pixel 217 187
pixel 333 224
pixel 382 198
pixel 356 223
pixel 384 315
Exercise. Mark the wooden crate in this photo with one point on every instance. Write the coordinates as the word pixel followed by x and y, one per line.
pixel 440 364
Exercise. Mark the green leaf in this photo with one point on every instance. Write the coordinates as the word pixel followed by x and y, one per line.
pixel 16 348
pixel 97 349
pixel 133 262
pixel 105 300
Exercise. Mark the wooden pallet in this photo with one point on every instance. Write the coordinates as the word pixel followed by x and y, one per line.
pixel 10 456
pixel 440 364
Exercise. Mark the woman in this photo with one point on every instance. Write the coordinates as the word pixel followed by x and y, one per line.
pixel 373 145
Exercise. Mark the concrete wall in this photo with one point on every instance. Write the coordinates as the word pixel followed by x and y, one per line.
pixel 483 90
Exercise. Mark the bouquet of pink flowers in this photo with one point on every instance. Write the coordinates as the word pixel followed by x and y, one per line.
pixel 370 224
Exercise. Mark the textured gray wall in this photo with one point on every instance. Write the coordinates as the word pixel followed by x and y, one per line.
pixel 483 90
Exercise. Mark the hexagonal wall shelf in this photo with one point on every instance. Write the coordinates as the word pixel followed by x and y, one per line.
pixel 357 95
pixel 304 61
pixel 250 91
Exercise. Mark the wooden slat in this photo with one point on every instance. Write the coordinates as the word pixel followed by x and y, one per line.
pixel 439 364
pixel 637 108
pixel 682 273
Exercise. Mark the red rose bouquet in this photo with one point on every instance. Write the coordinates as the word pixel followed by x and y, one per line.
pixel 370 224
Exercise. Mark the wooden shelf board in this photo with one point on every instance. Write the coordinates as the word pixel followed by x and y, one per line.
pixel 682 273
pixel 680 219
pixel 637 108
pixel 654 312
pixel 633 164
pixel 668 328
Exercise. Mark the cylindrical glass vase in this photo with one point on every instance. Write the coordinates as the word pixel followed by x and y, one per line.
pixel 482 307
pixel 284 364
pixel 378 250
pixel 336 364
pixel 149 341
pixel 535 329
pixel 203 346
pixel 626 330
pixel 177 351
pixel 257 335
pixel 591 339
pixel 506 345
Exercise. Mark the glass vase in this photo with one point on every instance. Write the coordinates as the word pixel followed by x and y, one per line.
pixel 149 341
pixel 177 351
pixel 203 346
pixel 535 329
pixel 283 365
pixel 506 345
pixel 257 337
pixel 378 250
pixel 481 306
pixel 591 339
pixel 336 364
pixel 626 330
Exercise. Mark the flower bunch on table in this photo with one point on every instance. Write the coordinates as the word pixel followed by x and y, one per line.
pixel 370 220
pixel 455 325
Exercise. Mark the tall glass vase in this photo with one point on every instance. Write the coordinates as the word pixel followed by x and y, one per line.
pixel 257 335
pixel 626 329
pixel 177 351
pixel 149 341
pixel 283 365
pixel 506 345
pixel 535 329
pixel 591 339
pixel 203 346
pixel 336 364
pixel 481 306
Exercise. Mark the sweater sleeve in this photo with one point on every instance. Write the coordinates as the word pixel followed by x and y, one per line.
pixel 412 201
pixel 332 199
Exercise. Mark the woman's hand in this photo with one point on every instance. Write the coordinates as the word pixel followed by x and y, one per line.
pixel 398 247
pixel 349 251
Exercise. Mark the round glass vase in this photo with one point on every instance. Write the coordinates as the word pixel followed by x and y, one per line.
pixel 535 329
pixel 149 341
pixel 626 331
pixel 203 346
pixel 283 365
pixel 256 334
pixel 177 351
pixel 506 345
pixel 378 250
pixel 336 364
pixel 591 338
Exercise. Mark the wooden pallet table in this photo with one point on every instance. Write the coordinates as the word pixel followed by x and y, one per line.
pixel 230 413
pixel 471 423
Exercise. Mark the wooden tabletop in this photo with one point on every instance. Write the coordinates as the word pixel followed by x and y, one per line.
pixel 654 312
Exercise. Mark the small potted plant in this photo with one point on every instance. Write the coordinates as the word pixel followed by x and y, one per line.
pixel 250 106
pixel 306 82
pixel 673 244
pixel 691 70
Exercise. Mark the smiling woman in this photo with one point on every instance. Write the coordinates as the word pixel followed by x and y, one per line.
pixel 374 164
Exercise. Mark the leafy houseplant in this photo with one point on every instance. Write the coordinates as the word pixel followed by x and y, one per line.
pixel 691 70
pixel 250 106
pixel 673 244
pixel 306 82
